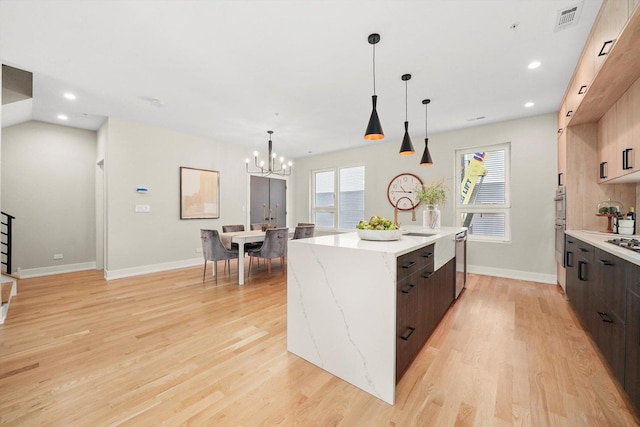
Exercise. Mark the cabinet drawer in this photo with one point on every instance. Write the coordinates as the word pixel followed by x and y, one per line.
pixel 611 283
pixel 407 302
pixel 584 251
pixel 633 278
pixel 417 260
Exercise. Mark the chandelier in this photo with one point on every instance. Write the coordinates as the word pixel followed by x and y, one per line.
pixel 270 169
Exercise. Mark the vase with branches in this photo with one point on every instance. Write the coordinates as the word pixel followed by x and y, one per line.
pixel 432 195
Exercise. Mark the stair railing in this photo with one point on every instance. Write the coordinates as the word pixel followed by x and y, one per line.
pixel 5 240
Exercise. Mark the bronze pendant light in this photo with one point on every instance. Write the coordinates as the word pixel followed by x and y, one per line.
pixel 406 149
pixel 374 128
pixel 426 156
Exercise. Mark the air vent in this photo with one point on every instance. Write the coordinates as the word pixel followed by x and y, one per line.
pixel 568 17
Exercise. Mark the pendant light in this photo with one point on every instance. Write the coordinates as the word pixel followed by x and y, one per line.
pixel 406 149
pixel 374 128
pixel 426 156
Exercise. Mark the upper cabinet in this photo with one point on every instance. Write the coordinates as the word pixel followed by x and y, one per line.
pixel 609 64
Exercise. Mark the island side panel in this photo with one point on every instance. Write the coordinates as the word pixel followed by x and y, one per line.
pixel 341 312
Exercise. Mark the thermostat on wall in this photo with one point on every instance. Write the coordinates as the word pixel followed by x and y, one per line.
pixel 142 190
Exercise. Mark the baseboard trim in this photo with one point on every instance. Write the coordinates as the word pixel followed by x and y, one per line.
pixel 153 268
pixel 530 276
pixel 58 269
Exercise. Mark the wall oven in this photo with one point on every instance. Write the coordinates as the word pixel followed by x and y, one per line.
pixel 561 223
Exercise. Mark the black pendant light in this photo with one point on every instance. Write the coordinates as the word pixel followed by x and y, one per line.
pixel 374 128
pixel 426 156
pixel 406 149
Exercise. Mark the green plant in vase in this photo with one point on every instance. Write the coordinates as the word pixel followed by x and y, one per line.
pixel 432 195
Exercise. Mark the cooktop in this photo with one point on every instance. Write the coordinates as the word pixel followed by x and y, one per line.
pixel 631 244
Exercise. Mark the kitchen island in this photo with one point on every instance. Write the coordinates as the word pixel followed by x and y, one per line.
pixel 344 301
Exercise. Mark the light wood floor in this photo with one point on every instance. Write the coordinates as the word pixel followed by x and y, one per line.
pixel 163 349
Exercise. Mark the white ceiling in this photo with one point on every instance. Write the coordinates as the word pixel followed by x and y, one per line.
pixel 231 70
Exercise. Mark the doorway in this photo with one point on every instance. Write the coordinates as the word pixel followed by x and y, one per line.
pixel 268 201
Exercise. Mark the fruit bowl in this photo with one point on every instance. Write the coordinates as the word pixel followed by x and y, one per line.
pixel 379 235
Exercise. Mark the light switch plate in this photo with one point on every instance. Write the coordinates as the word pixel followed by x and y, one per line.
pixel 143 208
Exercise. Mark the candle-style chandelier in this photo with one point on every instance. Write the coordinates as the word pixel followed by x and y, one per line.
pixel 270 168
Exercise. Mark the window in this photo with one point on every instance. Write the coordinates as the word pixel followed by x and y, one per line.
pixel 338 197
pixel 483 202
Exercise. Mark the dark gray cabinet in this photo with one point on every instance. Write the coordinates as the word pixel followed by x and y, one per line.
pixel 632 334
pixel 423 297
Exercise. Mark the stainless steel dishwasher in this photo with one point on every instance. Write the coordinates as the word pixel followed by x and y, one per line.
pixel 461 262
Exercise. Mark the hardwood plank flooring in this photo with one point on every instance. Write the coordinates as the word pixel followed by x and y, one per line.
pixel 164 349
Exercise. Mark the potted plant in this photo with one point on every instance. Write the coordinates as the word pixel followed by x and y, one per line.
pixel 432 195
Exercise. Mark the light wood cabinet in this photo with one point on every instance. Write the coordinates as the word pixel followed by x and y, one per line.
pixel 612 19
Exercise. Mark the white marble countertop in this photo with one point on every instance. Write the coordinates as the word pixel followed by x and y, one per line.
pixel 405 245
pixel 599 240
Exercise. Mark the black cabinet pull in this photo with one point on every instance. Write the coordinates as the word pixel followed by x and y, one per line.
pixel 427 275
pixel 409 264
pixel 427 255
pixel 606 263
pixel 581 273
pixel 604 46
pixel 569 113
pixel 406 334
pixel 603 173
pixel 625 159
pixel 560 178
pixel 584 250
pixel 569 259
pixel 604 317
pixel 582 90
pixel 570 241
pixel 407 288
pixel 560 130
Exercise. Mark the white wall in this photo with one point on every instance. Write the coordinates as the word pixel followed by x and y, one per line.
pixel 48 185
pixel 139 155
pixel 530 254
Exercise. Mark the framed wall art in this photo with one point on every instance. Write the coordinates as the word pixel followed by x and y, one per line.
pixel 199 193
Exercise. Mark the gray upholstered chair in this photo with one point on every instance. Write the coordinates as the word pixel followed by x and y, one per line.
pixel 214 250
pixel 274 246
pixel 303 231
pixel 258 225
pixel 230 228
pixel 306 223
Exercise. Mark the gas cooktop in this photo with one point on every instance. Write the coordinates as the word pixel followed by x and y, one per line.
pixel 631 244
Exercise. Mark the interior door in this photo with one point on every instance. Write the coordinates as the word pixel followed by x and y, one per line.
pixel 268 201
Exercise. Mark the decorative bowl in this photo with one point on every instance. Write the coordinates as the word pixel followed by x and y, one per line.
pixel 379 235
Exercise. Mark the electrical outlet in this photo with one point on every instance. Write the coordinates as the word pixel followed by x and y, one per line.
pixel 143 208
pixel 199 250
pixel 57 256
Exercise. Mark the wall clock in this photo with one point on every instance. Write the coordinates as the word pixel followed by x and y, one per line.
pixel 401 191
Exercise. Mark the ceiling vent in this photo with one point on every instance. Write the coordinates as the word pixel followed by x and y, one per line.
pixel 568 17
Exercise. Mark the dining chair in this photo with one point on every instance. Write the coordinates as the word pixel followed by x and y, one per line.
pixel 214 250
pixel 258 225
pixel 274 246
pixel 306 223
pixel 231 228
pixel 303 231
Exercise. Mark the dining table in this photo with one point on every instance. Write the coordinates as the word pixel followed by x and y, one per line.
pixel 241 238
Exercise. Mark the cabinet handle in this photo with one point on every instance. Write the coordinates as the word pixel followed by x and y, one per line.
pixel 569 113
pixel 584 250
pixel 582 90
pixel 625 159
pixel 581 275
pixel 406 334
pixel 570 241
pixel 606 263
pixel 605 45
pixel 560 178
pixel 560 130
pixel 427 275
pixel 569 259
pixel 407 288
pixel 408 265
pixel 427 255
pixel 603 173
pixel 604 317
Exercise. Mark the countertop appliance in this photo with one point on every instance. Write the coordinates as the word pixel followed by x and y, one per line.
pixel 561 223
pixel 461 262
pixel 631 244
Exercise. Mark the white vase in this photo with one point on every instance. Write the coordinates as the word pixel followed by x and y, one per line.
pixel 431 217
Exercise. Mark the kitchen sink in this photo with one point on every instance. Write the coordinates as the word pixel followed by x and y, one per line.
pixel 419 234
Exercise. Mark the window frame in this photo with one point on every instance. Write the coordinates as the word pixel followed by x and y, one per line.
pixel 493 208
pixel 335 209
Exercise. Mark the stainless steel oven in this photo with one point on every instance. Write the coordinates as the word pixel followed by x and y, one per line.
pixel 561 223
pixel 461 262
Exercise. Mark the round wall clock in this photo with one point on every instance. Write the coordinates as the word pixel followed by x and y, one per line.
pixel 401 191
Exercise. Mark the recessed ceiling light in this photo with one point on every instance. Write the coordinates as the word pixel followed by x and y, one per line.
pixel 62 117
pixel 529 104
pixel 69 95
pixel 534 65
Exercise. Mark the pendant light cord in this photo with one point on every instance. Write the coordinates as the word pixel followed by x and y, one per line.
pixel 406 91
pixel 426 109
pixel 374 69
